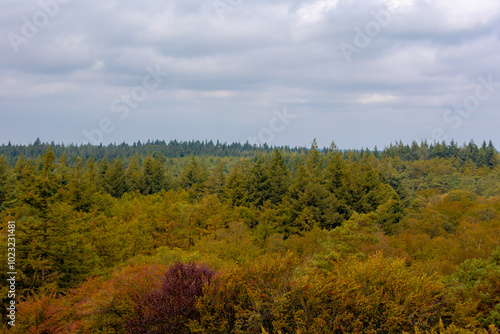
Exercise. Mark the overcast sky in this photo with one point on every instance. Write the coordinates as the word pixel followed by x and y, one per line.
pixel 360 73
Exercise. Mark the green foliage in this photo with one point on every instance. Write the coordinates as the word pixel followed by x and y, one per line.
pixel 7 184
pixel 235 190
pixel 114 179
pixel 292 233
pixel 244 300
pixel 373 296
pixel 480 280
pixel 154 173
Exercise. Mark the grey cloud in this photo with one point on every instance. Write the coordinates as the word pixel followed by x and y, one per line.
pixel 230 71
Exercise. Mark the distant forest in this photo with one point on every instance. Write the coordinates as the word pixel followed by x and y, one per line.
pixel 204 237
pixel 480 155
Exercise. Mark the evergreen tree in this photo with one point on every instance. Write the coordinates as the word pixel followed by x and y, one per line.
pixel 134 177
pixel 279 178
pixel 308 191
pixel 490 155
pixel 39 192
pixel 82 191
pixel 102 167
pixel 6 182
pixel 336 179
pixel 235 191
pixel 361 190
pixel 315 195
pixel 257 184
pixel 154 174
pixel 482 159
pixel 114 179
pixel 62 169
pixel 22 167
pixel 193 175
pixel 336 169
pixel 217 180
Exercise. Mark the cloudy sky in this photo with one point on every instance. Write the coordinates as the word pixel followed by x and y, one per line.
pixel 360 73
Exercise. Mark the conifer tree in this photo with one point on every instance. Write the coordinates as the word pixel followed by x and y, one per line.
pixel 102 167
pixel 279 178
pixel 315 195
pixel 39 192
pixel 114 179
pixel 62 169
pixel 335 170
pixel 257 184
pixel 82 191
pixel 193 175
pixel 490 155
pixel 336 179
pixel 235 191
pixel 6 182
pixel 308 201
pixel 217 180
pixel 134 177
pixel 154 174
pixel 21 168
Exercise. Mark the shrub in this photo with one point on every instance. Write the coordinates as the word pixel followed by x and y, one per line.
pixel 170 308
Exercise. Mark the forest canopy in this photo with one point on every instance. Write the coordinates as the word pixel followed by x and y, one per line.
pixel 204 237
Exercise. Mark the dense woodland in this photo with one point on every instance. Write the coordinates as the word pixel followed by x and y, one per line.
pixel 203 237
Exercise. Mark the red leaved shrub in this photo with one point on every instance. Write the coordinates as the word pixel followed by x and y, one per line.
pixel 170 308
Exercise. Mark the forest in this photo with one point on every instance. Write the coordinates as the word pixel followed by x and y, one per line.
pixel 204 237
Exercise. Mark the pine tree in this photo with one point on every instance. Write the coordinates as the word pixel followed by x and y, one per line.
pixel 51 244
pixel 279 178
pixel 62 169
pixel 217 180
pixel 102 167
pixel 82 191
pixel 154 174
pixel 235 191
pixel 39 192
pixel 490 155
pixel 308 201
pixel 303 223
pixel 22 167
pixel 114 179
pixel 193 175
pixel 6 182
pixel 335 170
pixel 257 184
pixel 315 195
pixel 336 182
pixel 134 177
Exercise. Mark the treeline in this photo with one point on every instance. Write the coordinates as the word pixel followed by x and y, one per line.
pixel 173 149
pixel 292 241
pixel 481 156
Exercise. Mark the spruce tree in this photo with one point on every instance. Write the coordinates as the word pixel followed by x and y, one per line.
pixel 193 175
pixel 308 200
pixel 39 191
pixel 82 191
pixel 134 177
pixel 257 184
pixel 217 180
pixel 235 190
pixel 336 182
pixel 315 195
pixel 279 178
pixel 154 174
pixel 6 182
pixel 114 179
